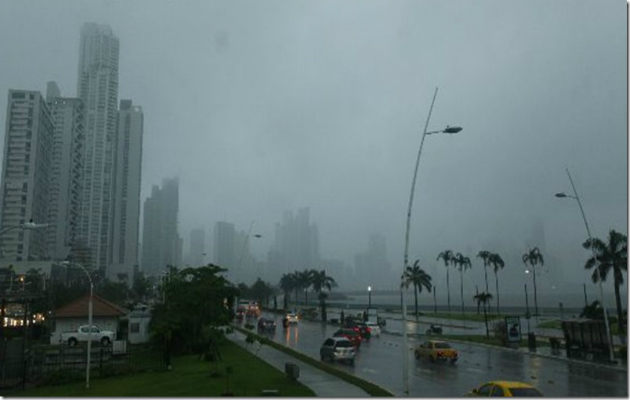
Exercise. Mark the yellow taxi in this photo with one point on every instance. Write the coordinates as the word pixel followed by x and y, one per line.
pixel 436 350
pixel 505 389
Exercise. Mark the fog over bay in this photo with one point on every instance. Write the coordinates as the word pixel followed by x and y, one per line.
pixel 264 106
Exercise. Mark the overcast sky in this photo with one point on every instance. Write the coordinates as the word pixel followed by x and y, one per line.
pixel 262 106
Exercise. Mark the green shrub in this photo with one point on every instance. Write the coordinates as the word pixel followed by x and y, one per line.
pixel 63 377
pixel 250 339
pixel 623 353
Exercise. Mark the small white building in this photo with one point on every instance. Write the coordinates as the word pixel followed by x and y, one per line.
pixel 139 325
pixel 105 314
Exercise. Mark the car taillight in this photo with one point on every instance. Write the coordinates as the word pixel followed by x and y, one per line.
pixel 439 354
pixel 368 329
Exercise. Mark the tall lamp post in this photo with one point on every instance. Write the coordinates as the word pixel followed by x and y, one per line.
pixel 89 342
pixel 369 297
pixel 590 238
pixel 449 130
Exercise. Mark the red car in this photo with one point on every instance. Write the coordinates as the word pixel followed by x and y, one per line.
pixel 350 334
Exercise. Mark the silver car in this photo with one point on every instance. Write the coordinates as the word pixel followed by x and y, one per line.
pixel 338 349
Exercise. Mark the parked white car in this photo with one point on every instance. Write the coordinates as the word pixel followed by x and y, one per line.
pixel 83 333
pixel 375 329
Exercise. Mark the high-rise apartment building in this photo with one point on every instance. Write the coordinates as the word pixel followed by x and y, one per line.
pixel 24 189
pixel 125 215
pixel 161 244
pixel 372 267
pixel 225 247
pixel 296 245
pixel 197 247
pixel 97 87
pixel 66 169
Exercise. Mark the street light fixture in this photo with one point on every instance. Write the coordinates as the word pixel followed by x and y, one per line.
pixel 590 238
pixel 27 225
pixel 369 297
pixel 89 343
pixel 405 349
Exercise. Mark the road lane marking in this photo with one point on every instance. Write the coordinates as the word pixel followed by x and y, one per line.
pixel 369 371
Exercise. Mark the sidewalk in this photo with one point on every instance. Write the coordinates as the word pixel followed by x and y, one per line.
pixel 320 382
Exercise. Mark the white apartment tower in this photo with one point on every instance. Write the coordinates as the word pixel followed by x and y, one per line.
pixel 66 169
pixel 124 230
pixel 97 87
pixel 25 175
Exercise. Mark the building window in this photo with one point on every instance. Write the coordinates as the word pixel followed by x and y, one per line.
pixel 134 327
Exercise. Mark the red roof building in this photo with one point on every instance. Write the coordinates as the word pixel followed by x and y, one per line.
pixel 105 314
pixel 79 308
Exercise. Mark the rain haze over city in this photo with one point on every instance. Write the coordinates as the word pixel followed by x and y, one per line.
pixel 314 198
pixel 316 109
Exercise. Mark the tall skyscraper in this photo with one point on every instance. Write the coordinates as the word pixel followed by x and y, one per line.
pixel 225 247
pixel 66 170
pixel 161 243
pixel 197 247
pixel 126 196
pixel 372 267
pixel 296 245
pixel 97 87
pixel 24 189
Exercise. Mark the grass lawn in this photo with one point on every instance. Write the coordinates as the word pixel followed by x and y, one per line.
pixel 459 316
pixel 189 377
pixel 556 324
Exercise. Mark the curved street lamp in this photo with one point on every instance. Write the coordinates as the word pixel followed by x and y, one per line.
pixel 601 290
pixel 447 130
pixel 27 226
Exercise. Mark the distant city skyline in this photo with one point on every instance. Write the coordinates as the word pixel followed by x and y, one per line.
pixel 269 111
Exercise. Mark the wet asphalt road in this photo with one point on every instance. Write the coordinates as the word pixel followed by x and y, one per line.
pixel 379 360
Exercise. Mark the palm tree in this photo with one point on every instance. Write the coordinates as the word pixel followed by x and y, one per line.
pixel 497 263
pixel 287 283
pixel 295 278
pixel 305 282
pixel 321 281
pixel 447 256
pixel 484 254
pixel 610 257
pixel 533 257
pixel 463 263
pixel 484 298
pixel 418 278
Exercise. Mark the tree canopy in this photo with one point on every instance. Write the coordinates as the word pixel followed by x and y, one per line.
pixel 194 298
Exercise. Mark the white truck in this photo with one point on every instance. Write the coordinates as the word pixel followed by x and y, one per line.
pixel 82 333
